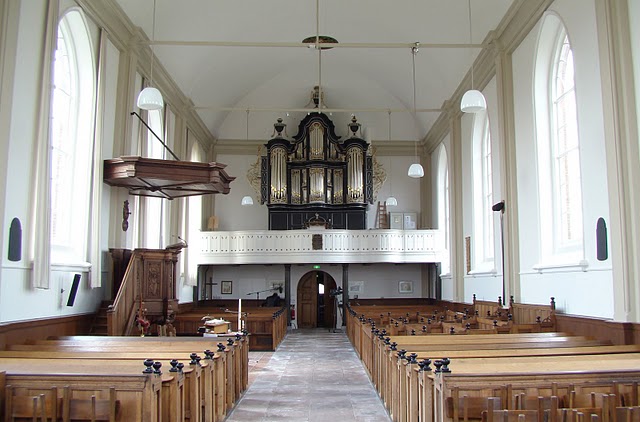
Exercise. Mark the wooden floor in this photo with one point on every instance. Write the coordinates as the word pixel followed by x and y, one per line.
pixel 314 375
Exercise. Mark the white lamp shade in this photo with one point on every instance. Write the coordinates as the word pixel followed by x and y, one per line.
pixel 416 171
pixel 150 99
pixel 473 101
pixel 247 200
pixel 392 201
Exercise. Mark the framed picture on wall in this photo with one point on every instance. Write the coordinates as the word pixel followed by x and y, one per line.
pixel 405 286
pixel 226 287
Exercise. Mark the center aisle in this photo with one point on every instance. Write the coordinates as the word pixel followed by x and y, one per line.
pixel 314 375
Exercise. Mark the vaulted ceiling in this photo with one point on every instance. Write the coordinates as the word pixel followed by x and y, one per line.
pixel 230 57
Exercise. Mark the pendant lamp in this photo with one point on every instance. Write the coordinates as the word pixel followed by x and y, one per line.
pixel 472 101
pixel 150 98
pixel 248 200
pixel 415 170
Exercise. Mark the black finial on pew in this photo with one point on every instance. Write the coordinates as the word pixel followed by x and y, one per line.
pixel 230 342
pixel 418 314
pixel 193 357
pixel 148 363
pixel 156 367
pixel 511 301
pixel 428 321
pixel 238 336
pixel 392 346
pixel 452 330
pixel 421 319
pixel 445 365
pixel 538 319
pixel 424 365
pixel 208 354
pixel 221 347
pixel 387 340
pixel 245 333
pixel 499 300
pixel 500 314
pixel 553 303
pixel 488 313
pixel 438 365
pixel 413 332
pixel 407 314
pixel 468 326
pixel 424 328
pixel 397 323
pixel 474 297
pixel 477 313
pixel 495 322
pixel 441 317
pixel 466 311
pixel 389 314
pixel 412 358
pixel 464 317
pixel 180 366
pixel 174 365
pixel 402 353
pixel 510 317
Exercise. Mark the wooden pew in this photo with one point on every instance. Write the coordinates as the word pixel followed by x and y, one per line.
pixel 266 326
pixel 399 391
pixel 139 395
pixel 230 375
pixel 229 378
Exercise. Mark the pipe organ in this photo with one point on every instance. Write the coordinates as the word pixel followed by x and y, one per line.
pixel 317 174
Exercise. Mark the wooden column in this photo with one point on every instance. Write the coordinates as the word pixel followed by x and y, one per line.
pixel 287 291
pixel 345 290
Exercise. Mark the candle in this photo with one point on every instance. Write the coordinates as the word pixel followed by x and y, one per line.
pixel 239 314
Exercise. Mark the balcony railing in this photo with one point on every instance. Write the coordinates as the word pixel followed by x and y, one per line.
pixel 321 246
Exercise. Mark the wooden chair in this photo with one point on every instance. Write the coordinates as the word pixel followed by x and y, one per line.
pixel 92 409
pixel 42 407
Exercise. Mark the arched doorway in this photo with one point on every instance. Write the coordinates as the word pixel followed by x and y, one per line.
pixel 316 306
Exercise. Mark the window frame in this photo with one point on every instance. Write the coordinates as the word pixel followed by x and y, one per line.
pixel 70 242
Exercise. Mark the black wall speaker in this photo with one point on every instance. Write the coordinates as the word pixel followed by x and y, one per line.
pixel 74 289
pixel 15 240
pixel 602 251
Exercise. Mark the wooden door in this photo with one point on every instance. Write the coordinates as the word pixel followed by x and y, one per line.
pixel 307 299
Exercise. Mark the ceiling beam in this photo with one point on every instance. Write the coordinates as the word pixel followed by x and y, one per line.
pixel 324 46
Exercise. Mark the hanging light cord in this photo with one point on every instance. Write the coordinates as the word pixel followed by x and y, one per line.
pixel 414 51
pixel 471 41
pixel 153 37
pixel 319 54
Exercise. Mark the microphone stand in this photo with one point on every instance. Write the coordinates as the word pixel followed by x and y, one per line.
pixel 257 293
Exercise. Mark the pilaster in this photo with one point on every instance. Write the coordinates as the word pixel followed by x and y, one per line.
pixel 623 155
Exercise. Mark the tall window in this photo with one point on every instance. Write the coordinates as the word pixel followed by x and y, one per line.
pixel 558 147
pixel 443 203
pixel 154 234
pixel 565 149
pixel 72 111
pixel 482 194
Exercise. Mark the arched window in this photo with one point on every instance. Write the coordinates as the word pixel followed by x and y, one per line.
pixel 558 144
pixel 482 194
pixel 443 203
pixel 72 111
pixel 154 208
